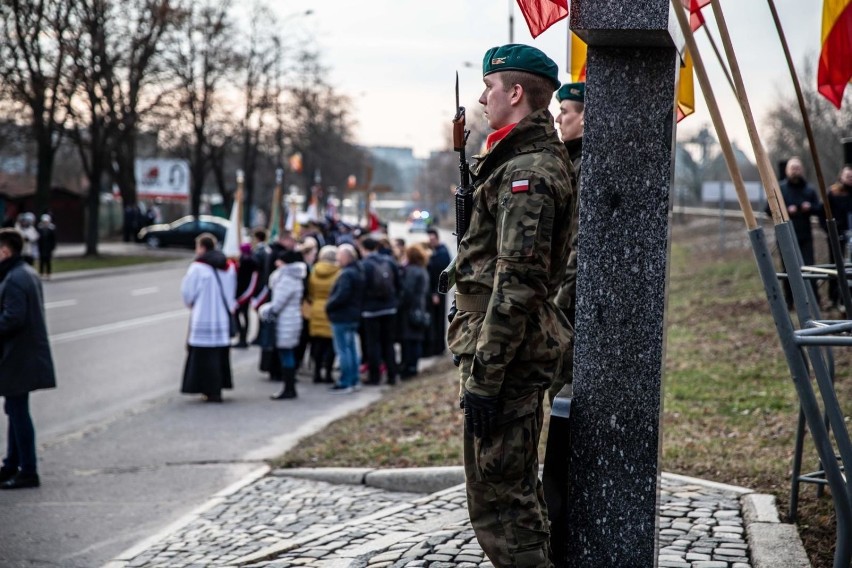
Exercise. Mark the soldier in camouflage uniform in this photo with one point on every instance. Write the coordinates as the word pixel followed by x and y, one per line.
pixel 571 97
pixel 508 337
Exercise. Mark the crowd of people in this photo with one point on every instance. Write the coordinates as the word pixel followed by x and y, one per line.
pixel 326 295
pixel 39 240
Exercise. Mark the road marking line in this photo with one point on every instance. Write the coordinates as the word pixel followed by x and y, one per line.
pixel 117 326
pixel 59 304
pixel 144 291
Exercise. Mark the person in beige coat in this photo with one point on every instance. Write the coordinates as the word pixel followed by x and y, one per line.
pixel 320 282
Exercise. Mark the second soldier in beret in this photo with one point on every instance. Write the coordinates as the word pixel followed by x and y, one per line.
pixel 570 121
pixel 509 338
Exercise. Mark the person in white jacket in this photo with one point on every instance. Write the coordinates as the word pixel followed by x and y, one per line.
pixel 208 290
pixel 287 283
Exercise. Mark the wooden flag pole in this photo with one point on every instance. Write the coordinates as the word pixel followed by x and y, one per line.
pixel 831 223
pixel 239 197
pixel 716 116
pixel 770 183
pixel 719 57
pixel 275 206
pixel 805 118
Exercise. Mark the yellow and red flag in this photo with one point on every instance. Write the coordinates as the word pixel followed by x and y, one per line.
pixel 835 59
pixel 686 88
pixel 541 14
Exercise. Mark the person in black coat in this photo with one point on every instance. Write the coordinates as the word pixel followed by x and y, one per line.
pixel 46 245
pixel 26 364
pixel 413 315
pixel 436 338
pixel 379 312
pixel 248 283
pixel 802 203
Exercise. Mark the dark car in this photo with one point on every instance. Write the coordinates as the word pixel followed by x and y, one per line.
pixel 183 231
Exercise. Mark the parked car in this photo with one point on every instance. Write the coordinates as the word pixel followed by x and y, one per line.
pixel 183 231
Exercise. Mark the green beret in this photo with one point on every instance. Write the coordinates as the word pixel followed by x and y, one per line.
pixel 571 92
pixel 517 57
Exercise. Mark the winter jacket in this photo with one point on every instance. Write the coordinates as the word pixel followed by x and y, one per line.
pixel 209 321
pixel 376 306
pixel 415 284
pixel 288 286
pixel 25 361
pixel 347 295
pixel 320 282
pixel 511 257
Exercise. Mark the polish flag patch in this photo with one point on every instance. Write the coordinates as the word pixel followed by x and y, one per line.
pixel 520 186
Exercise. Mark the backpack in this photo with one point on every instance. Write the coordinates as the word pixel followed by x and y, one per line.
pixel 380 280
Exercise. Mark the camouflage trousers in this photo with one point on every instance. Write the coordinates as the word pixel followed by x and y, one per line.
pixel 505 498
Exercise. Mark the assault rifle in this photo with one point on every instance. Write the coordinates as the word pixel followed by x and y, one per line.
pixel 464 191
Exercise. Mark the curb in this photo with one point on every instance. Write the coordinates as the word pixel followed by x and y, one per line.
pixel 409 480
pixel 128 555
pixel 771 543
pixel 118 270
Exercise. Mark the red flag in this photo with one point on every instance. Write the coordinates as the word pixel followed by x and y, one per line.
pixel 541 14
pixel 696 20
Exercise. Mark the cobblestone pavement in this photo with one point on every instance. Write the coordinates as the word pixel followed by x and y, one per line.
pixel 282 522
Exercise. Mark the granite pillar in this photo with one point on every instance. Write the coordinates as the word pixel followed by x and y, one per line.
pixel 627 176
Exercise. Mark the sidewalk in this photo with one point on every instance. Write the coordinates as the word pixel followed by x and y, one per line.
pixel 121 248
pixel 337 518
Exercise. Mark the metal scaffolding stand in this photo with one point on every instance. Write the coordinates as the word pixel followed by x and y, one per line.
pixel 807 351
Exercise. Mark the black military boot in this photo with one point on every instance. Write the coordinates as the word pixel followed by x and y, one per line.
pixel 289 390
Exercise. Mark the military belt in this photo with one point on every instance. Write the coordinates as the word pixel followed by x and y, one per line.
pixel 472 302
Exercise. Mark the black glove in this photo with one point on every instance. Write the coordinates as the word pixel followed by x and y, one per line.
pixel 480 414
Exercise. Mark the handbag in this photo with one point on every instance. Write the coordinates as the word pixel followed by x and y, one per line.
pixel 266 334
pixel 420 319
pixel 233 325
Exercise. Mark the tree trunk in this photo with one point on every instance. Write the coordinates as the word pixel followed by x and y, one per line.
pixel 124 156
pixel 94 203
pixel 197 178
pixel 44 171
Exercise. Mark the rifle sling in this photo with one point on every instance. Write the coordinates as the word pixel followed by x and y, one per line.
pixel 472 302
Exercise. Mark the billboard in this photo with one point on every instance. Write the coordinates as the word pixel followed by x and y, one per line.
pixel 160 177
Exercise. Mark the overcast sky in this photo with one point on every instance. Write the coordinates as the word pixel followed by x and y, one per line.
pixel 397 59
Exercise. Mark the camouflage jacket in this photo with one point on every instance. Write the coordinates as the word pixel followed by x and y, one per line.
pixel 512 258
pixel 566 297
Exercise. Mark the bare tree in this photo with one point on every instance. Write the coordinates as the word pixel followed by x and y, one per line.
pixel 35 37
pixel 94 77
pixel 787 132
pixel 320 126
pixel 139 28
pixel 201 59
pixel 260 60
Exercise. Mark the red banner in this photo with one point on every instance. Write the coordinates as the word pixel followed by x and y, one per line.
pixel 541 14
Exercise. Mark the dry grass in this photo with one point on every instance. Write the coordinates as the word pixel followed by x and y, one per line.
pixel 730 408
